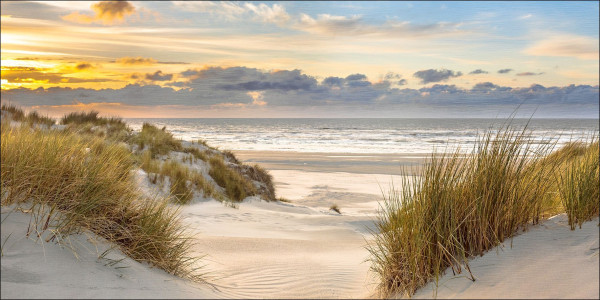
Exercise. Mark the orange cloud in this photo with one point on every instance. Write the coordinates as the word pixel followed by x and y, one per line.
pixel 105 12
pixel 83 66
pixel 130 61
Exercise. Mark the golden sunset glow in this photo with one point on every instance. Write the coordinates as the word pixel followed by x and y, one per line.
pixel 312 53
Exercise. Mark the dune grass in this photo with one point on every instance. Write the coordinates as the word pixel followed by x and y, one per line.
pixel 159 141
pixel 113 128
pixel 179 177
pixel 33 117
pixel 335 208
pixel 76 182
pixel 578 187
pixel 237 188
pixel 196 153
pixel 148 164
pixel 183 181
pixel 463 205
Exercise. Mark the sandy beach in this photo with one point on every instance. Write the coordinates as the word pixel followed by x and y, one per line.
pixel 368 163
pixel 300 249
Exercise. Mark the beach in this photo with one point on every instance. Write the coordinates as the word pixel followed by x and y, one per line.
pixel 298 247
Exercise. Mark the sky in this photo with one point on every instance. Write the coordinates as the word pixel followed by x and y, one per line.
pixel 183 59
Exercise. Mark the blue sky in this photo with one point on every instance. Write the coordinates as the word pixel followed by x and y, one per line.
pixel 289 58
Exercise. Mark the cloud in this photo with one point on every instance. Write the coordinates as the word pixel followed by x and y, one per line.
pixel 432 75
pixel 504 71
pixel 327 24
pixel 105 12
pixel 354 77
pixel 282 80
pixel 333 81
pixel 232 11
pixel 239 88
pixel 132 61
pixel 30 75
pixel 84 66
pixel 581 47
pixel 158 76
pixel 392 76
pixel 478 71
pixel 269 14
pixel 524 17
pixel 402 82
pixel 529 74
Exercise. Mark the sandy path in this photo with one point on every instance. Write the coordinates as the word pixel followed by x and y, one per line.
pixel 292 250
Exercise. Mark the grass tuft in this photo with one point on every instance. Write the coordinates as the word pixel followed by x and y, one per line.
pixel 197 153
pixel 237 188
pixel 461 206
pixel 159 141
pixel 578 187
pixel 33 117
pixel 335 208
pixel 52 173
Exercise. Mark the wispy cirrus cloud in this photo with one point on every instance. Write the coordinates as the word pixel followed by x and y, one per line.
pixel 327 24
pixel 262 12
pixel 134 61
pixel 581 47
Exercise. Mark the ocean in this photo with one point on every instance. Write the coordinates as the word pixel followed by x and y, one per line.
pixel 362 135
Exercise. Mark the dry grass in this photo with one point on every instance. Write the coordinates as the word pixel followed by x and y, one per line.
pixel 236 186
pixel 335 208
pixel 461 207
pixel 114 129
pixel 159 141
pixel 179 177
pixel 73 189
pixel 578 187
pixel 196 153
pixel 33 117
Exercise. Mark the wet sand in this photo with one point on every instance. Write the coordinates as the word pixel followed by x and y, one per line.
pixel 391 164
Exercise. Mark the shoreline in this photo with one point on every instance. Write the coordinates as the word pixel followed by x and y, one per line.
pixel 356 163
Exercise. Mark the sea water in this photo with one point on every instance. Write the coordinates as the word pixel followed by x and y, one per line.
pixel 363 135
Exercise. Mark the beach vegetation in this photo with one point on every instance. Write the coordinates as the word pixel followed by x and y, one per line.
pixel 197 153
pixel 90 123
pixel 463 205
pixel 72 183
pixel 31 118
pixel 261 175
pixel 237 188
pixel 335 208
pixel 230 157
pixel 579 187
pixel 158 141
pixel 179 176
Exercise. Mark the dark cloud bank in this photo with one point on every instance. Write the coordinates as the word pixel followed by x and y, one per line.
pixel 350 96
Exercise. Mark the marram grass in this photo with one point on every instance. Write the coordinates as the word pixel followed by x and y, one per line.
pixel 86 183
pixel 463 205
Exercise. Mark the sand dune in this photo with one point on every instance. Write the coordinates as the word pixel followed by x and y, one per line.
pixel 296 250
pixel 548 261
